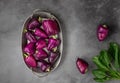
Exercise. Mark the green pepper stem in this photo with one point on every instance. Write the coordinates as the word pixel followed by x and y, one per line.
pixel 25 55
pixel 105 26
pixel 40 19
pixel 25 30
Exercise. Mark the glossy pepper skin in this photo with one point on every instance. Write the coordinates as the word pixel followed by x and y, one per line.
pixel 50 26
pixel 82 65
pixel 53 57
pixel 41 43
pixel 40 33
pixel 34 23
pixel 102 32
pixel 40 54
pixel 43 66
pixel 30 61
pixel 52 43
pixel 29 36
pixel 29 48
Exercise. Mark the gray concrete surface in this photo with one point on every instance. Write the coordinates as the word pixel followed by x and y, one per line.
pixel 79 20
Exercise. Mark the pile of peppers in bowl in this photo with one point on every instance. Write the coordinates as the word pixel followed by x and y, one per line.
pixel 41 50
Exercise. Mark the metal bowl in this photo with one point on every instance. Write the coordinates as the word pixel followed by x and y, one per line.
pixel 43 14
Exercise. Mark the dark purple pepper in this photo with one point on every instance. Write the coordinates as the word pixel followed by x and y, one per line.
pixel 29 36
pixel 30 48
pixel 30 61
pixel 40 33
pixel 44 66
pixel 82 65
pixel 40 54
pixel 53 57
pixel 102 32
pixel 41 44
pixel 33 24
pixel 52 43
pixel 51 27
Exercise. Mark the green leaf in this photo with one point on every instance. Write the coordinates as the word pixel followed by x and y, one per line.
pixel 111 51
pixel 101 79
pixel 99 64
pixel 113 74
pixel 99 73
pixel 116 52
pixel 105 58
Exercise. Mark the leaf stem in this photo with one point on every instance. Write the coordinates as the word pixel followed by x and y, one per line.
pixel 112 66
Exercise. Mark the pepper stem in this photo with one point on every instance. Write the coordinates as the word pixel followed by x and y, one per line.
pixel 25 55
pixel 40 19
pixel 48 69
pixel 25 30
pixel 105 26
pixel 55 49
pixel 54 36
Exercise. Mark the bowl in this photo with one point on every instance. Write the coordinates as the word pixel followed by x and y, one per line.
pixel 45 15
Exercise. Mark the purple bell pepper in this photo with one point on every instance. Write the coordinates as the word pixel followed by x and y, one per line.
pixel 82 65
pixel 40 33
pixel 52 43
pixel 29 36
pixel 29 48
pixel 51 27
pixel 40 54
pixel 41 44
pixel 53 57
pixel 30 61
pixel 44 66
pixel 102 32
pixel 33 24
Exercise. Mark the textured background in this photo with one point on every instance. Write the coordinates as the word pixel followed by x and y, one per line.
pixel 79 20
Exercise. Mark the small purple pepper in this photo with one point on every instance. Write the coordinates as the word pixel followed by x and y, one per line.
pixel 33 24
pixel 53 57
pixel 40 54
pixel 52 43
pixel 30 61
pixel 44 66
pixel 41 44
pixel 82 65
pixel 40 33
pixel 29 48
pixel 29 36
pixel 102 32
pixel 50 26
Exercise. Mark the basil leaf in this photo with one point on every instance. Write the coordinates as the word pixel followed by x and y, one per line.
pixel 115 50
pixel 104 58
pixel 111 51
pixel 99 73
pixel 116 57
pixel 99 64
pixel 113 74
pixel 119 56
pixel 101 79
